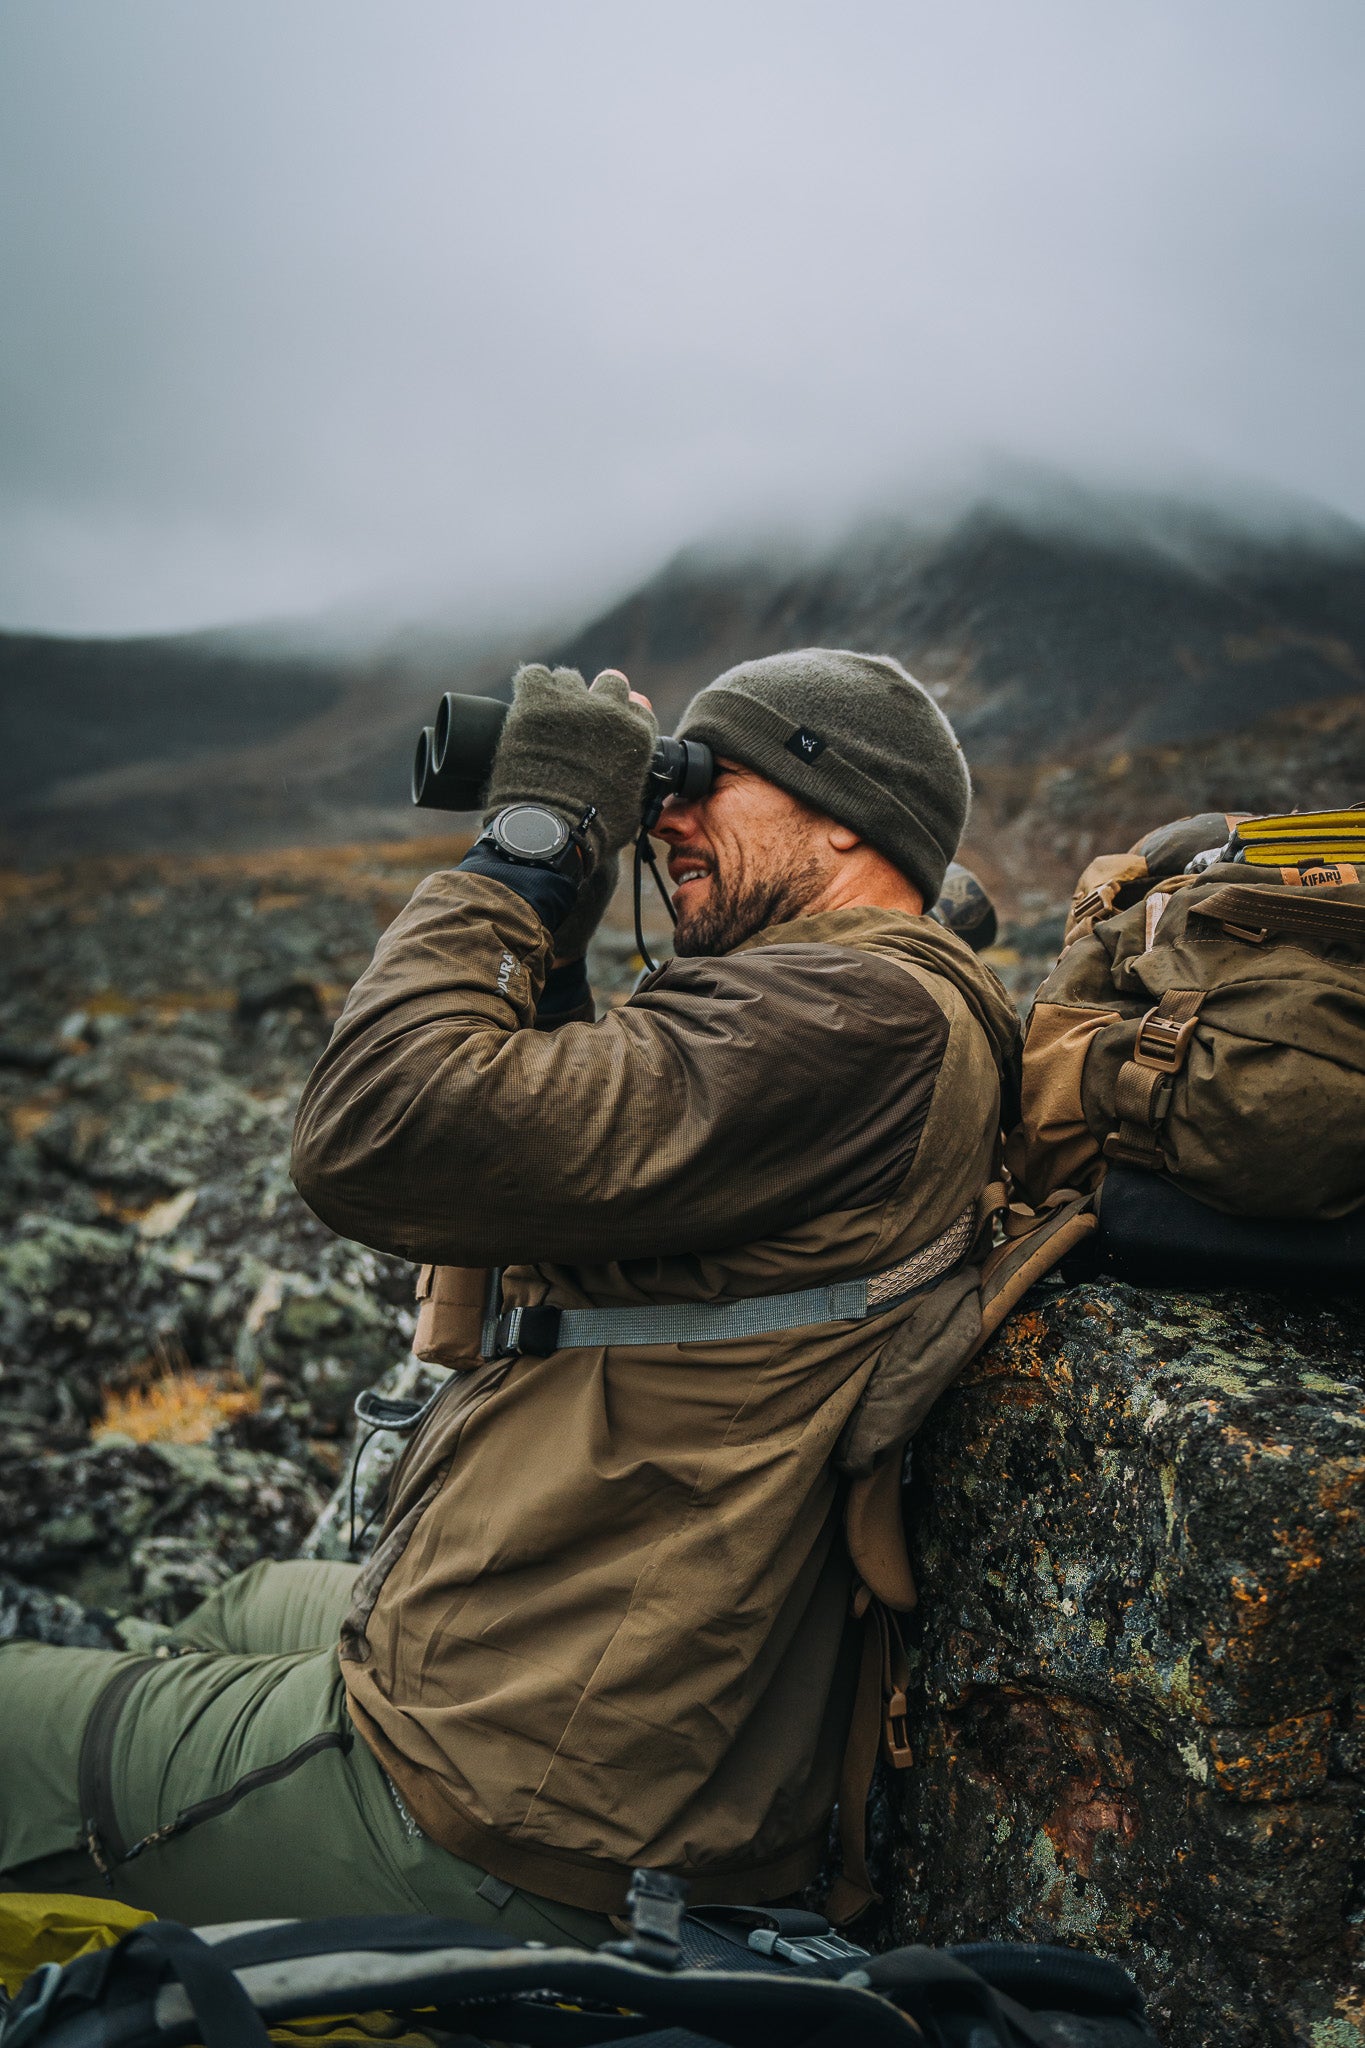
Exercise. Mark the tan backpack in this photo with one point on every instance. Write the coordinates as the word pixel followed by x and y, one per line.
pixel 1208 1025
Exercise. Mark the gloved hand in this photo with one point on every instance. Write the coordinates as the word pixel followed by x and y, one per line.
pixel 567 746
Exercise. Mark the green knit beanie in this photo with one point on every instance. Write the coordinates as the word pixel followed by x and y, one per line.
pixel 854 736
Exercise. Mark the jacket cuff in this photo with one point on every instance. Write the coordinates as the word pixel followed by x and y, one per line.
pixel 552 896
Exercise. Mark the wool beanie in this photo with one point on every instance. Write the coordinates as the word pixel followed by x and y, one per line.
pixel 854 736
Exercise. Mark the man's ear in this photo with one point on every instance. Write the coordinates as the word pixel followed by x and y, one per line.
pixel 842 839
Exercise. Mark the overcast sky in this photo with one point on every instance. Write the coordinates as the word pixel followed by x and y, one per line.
pixel 448 307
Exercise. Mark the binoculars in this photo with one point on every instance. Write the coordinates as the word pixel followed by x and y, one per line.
pixel 454 760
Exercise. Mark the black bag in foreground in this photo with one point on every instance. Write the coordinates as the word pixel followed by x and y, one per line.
pixel 1155 1235
pixel 680 1982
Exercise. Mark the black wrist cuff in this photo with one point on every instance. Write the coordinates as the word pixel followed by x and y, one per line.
pixel 552 896
pixel 566 992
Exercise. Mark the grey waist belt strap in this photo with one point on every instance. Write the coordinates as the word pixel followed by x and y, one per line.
pixel 539 1331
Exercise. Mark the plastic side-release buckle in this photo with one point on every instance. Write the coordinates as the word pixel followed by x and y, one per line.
pixel 807 1948
pixel 899 1754
pixel 656 1903
pixel 530 1332
pixel 1094 903
pixel 1162 1042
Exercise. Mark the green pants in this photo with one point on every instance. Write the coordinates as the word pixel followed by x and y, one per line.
pixel 242 1750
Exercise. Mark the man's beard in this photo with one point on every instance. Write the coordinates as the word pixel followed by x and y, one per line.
pixel 736 907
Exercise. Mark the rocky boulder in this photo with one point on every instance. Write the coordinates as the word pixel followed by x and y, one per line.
pixel 1139 1534
pixel 148 1529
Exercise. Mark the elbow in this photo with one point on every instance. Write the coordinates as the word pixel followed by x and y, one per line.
pixel 364 1190
pixel 322 1180
pixel 348 1204
pixel 339 1185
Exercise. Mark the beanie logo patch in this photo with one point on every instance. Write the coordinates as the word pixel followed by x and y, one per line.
pixel 805 744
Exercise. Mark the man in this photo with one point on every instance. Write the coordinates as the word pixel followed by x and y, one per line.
pixel 612 1619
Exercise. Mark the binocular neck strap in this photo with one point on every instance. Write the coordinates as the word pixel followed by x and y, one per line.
pixel 644 852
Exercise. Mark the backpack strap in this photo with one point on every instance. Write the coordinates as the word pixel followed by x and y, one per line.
pixel 1035 1241
pixel 1250 913
pixel 1142 1091
pixel 878 1725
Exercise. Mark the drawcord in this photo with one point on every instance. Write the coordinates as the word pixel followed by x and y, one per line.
pixel 644 852
pixel 358 1454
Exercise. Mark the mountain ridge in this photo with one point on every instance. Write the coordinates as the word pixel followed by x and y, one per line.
pixel 1192 656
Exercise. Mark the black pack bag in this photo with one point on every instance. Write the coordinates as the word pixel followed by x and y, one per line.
pixel 741 1978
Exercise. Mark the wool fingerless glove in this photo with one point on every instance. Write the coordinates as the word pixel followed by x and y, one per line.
pixel 567 746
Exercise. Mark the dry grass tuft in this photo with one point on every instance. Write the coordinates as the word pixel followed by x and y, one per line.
pixel 178 1408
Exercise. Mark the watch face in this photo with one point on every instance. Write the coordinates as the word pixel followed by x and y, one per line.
pixel 530 833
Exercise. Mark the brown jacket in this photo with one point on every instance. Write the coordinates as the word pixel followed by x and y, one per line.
pixel 609 1621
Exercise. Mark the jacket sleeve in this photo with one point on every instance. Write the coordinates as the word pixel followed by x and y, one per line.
pixel 729 1099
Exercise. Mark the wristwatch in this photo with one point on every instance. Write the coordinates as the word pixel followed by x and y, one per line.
pixel 534 837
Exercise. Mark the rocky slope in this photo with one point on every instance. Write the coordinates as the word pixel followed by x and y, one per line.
pixel 1107 664
pixel 180 1340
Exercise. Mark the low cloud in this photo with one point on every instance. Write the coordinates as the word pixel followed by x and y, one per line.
pixel 436 308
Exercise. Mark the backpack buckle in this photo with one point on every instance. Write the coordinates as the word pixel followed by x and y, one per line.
pixel 522 1332
pixel 1092 904
pixel 899 1754
pixel 807 1948
pixel 1162 1042
pixel 656 1903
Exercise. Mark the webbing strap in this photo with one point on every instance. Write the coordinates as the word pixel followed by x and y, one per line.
pixel 542 1330
pixel 1142 1088
pixel 701 1322
pixel 877 1727
pixel 225 2015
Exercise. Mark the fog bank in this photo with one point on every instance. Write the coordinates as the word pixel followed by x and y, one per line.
pixel 426 308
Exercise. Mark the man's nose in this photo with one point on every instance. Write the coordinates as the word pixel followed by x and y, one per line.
pixel 677 819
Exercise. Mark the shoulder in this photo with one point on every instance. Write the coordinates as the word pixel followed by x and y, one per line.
pixel 803 991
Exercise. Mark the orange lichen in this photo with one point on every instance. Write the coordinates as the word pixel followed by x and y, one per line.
pixel 1285 1761
pixel 26 1119
pixel 1086 1813
pixel 152 1088
pixel 177 1408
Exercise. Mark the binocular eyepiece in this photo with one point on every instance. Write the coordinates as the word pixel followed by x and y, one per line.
pixel 454 760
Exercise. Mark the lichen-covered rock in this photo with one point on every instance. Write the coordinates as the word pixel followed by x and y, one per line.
pixel 324 1338
pixel 28 1614
pixel 156 1025
pixel 79 1304
pixel 146 1529
pixel 1139 1528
